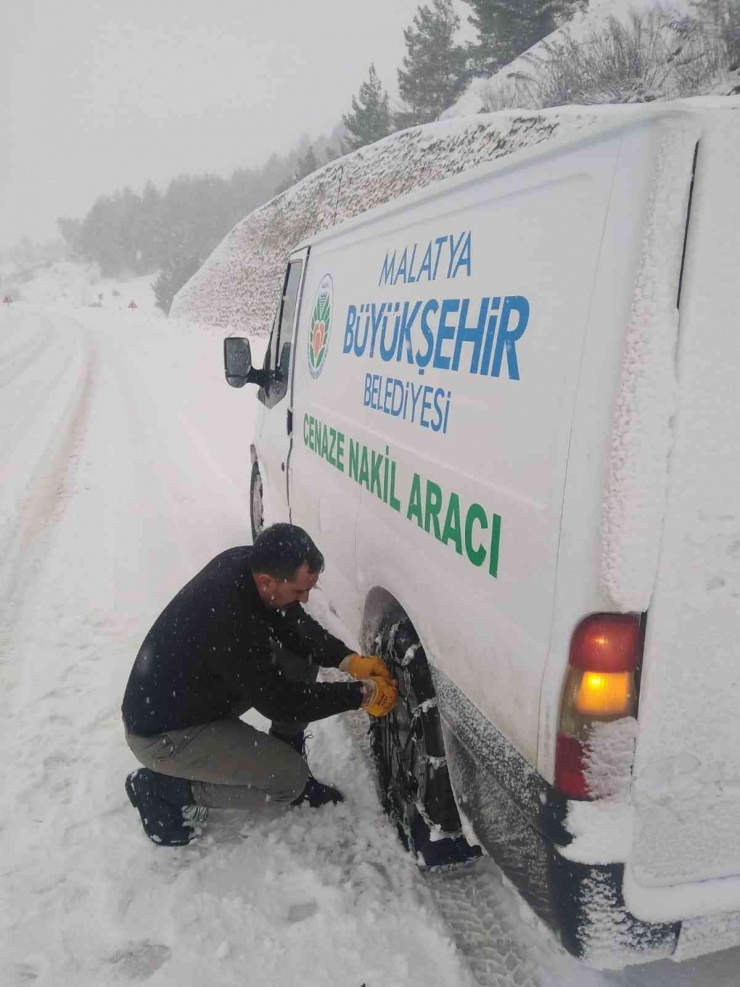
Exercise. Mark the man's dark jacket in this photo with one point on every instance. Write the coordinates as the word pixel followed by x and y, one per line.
pixel 210 654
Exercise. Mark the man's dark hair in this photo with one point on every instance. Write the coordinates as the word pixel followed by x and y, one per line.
pixel 280 550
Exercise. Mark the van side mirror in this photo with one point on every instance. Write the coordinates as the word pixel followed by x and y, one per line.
pixel 238 363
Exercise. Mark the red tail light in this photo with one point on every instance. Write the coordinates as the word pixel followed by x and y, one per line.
pixel 605 651
pixel 570 777
pixel 606 642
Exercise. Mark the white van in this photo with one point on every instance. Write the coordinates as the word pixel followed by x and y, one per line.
pixel 507 408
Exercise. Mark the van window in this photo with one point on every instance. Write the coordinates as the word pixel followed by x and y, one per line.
pixel 277 358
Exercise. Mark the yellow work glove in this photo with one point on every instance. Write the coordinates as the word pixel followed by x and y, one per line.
pixel 361 667
pixel 379 695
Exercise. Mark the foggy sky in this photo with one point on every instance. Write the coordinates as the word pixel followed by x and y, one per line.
pixel 99 94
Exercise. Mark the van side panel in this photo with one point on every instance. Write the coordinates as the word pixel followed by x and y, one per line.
pixel 455 352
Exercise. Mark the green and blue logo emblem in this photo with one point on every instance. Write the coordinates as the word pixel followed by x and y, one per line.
pixel 320 326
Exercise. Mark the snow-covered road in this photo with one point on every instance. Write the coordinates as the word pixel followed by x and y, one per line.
pixel 125 468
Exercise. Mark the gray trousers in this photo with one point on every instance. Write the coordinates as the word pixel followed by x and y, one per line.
pixel 232 765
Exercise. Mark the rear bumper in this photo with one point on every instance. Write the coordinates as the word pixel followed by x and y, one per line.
pixel 519 819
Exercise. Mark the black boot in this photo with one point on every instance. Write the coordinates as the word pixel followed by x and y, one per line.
pixel 315 794
pixel 166 805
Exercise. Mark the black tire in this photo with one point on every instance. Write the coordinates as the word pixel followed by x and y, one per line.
pixel 256 504
pixel 409 753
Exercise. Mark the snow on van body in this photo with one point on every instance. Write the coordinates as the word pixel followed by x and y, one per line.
pixel 491 429
pixel 687 770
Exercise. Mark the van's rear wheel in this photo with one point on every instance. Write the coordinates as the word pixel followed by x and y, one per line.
pixel 410 757
pixel 256 504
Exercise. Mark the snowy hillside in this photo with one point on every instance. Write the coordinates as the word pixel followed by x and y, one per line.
pixel 239 284
pixel 512 85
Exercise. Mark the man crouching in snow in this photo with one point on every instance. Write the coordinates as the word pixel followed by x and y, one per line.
pixel 237 637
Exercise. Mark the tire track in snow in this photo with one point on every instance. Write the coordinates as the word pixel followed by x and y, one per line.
pixel 504 944
pixel 35 502
pixel 35 388
pixel 16 360
pixel 481 914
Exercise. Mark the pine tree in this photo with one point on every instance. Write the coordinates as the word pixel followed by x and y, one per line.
pixel 434 68
pixel 507 28
pixel 149 239
pixel 175 272
pixel 173 231
pixel 370 119
pixel 308 163
pixel 721 20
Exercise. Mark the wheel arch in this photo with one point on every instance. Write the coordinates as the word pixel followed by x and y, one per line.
pixel 379 605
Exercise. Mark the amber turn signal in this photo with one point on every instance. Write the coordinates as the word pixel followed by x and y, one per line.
pixel 605 694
